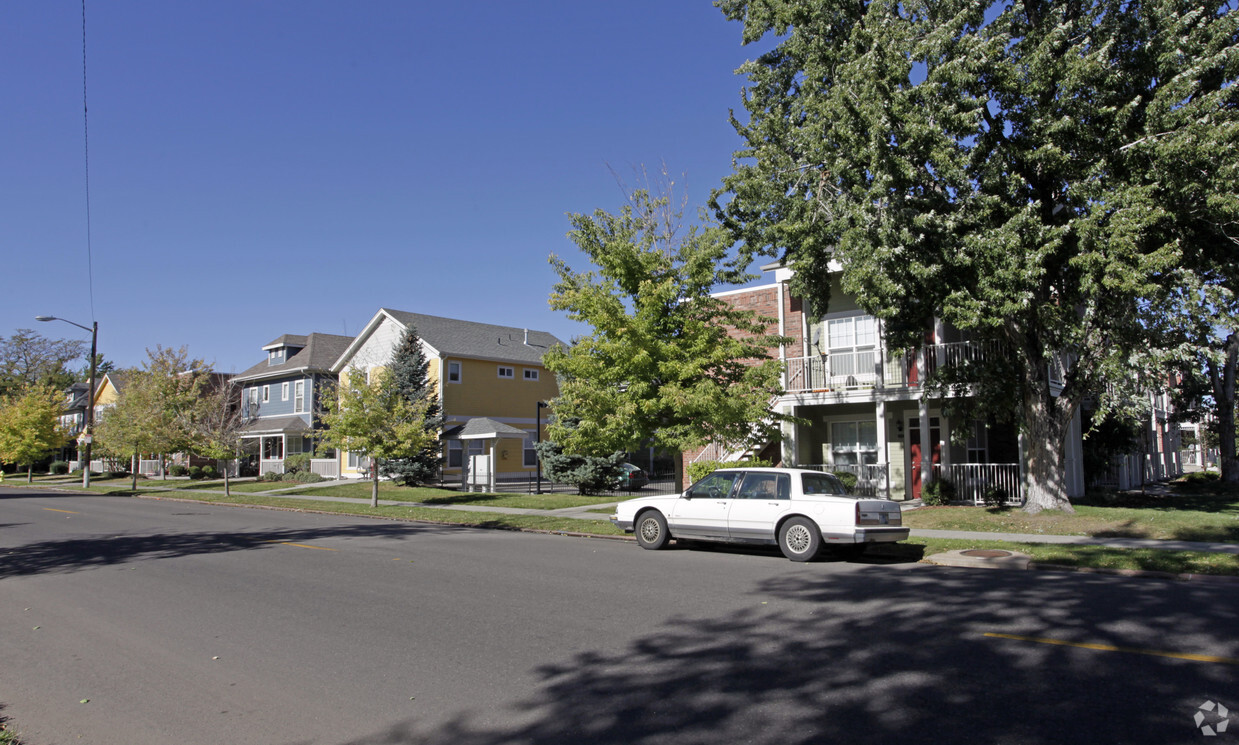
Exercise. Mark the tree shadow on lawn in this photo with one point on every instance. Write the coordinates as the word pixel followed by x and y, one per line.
pixel 881 655
pixel 76 554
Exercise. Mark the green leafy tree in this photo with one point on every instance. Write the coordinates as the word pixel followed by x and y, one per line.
pixel 372 419
pixel 987 163
pixel 29 426
pixel 217 425
pixel 409 373
pixel 122 429
pixel 27 358
pixel 666 364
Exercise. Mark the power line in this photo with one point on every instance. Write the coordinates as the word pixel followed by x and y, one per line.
pixel 90 268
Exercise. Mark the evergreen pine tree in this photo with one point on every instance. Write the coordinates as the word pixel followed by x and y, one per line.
pixel 410 379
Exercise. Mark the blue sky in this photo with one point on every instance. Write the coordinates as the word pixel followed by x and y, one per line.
pixel 264 168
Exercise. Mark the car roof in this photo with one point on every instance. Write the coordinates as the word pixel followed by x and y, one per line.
pixel 771 469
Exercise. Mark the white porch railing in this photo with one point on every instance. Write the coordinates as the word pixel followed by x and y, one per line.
pixel 974 480
pixel 872 479
pixel 150 467
pixel 328 468
pixel 271 466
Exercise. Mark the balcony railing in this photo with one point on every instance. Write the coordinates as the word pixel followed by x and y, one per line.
pixel 863 369
pixel 328 468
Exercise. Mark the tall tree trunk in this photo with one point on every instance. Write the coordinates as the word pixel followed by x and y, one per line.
pixel 1045 427
pixel 1222 377
pixel 227 487
pixel 133 472
pixel 30 474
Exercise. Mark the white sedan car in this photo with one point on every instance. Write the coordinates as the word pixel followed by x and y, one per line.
pixel 799 510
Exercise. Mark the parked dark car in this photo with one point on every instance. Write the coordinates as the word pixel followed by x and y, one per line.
pixel 631 478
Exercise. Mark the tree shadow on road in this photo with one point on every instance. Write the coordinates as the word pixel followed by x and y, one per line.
pixel 884 655
pixel 76 554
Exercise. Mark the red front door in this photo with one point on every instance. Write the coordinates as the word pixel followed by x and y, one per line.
pixel 914 447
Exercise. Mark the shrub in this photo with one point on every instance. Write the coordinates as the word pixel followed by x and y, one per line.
pixel 694 472
pixel 177 470
pixel 297 463
pixel 590 474
pixel 1198 477
pixel 995 496
pixel 210 472
pixel 58 467
pixel 195 472
pixel 849 480
pixel 307 477
pixel 937 493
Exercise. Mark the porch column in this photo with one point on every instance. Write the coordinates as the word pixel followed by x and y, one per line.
pixel 788 448
pixel 883 457
pixel 927 453
pixel 879 362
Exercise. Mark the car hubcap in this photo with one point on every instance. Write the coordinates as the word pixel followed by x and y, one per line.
pixel 798 538
pixel 649 530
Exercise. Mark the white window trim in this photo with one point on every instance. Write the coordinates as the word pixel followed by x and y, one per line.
pixel 299 397
pixel 284 391
pixel 531 374
pixel 460 373
pixel 266 393
pixel 509 370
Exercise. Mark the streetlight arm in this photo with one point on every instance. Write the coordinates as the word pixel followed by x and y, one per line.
pixel 54 318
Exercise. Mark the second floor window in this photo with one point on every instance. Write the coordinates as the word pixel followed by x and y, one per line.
pixel 266 393
pixel 299 397
pixel 283 391
pixel 531 374
pixel 453 372
pixel 851 342
pixel 507 372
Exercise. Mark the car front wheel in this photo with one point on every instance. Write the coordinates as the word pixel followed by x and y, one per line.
pixel 651 530
pixel 799 539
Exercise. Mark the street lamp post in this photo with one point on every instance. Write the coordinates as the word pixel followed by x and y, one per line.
pixel 88 430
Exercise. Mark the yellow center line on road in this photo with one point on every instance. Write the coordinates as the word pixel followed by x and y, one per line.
pixel 52 509
pixel 303 545
pixel 1109 648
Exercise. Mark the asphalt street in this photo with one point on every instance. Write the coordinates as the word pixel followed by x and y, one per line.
pixel 134 621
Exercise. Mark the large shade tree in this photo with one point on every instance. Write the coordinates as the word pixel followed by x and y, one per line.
pixel 987 163
pixel 665 363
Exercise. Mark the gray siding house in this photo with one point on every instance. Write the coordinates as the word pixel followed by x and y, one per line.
pixel 279 393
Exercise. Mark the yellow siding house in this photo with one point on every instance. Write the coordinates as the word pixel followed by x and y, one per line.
pixel 479 371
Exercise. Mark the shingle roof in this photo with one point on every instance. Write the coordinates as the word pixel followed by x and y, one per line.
pixel 286 424
pixel 479 340
pixel 320 351
pixel 287 340
pixel 479 428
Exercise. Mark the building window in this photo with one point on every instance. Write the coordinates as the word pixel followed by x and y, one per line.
pixel 507 372
pixel 266 393
pixel 854 443
pixel 851 342
pixel 273 448
pixel 456 451
pixel 254 396
pixel 977 442
pixel 531 374
pixel 453 372
pixel 299 397
pixel 531 455
pixel 358 462
pixel 283 391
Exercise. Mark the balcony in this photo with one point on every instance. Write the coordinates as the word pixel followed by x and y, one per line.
pixel 864 369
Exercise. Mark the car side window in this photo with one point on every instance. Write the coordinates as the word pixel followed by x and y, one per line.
pixel 822 483
pixel 765 486
pixel 715 486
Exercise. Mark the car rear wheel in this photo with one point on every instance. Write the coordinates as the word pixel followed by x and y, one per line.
pixel 799 539
pixel 651 530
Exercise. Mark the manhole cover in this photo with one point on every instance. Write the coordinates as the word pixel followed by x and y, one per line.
pixel 986 553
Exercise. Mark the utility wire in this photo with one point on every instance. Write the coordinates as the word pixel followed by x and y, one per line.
pixel 90 267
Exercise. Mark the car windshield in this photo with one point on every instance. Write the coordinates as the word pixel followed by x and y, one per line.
pixel 823 483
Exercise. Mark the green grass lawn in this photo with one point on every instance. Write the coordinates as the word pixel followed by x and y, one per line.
pixel 1192 511
pixel 1189 512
